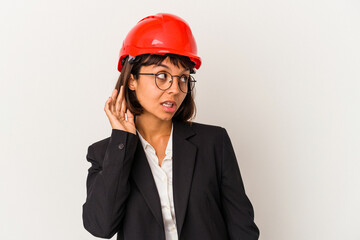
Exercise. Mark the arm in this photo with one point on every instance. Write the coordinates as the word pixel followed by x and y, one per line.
pixel 107 184
pixel 238 210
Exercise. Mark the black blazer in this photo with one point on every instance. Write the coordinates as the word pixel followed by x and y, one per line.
pixel 209 197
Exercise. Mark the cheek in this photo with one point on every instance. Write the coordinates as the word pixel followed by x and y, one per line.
pixel 148 95
pixel 183 97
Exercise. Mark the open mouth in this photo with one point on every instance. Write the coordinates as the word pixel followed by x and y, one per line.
pixel 168 107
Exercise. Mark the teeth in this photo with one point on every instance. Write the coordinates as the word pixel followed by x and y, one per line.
pixel 167 104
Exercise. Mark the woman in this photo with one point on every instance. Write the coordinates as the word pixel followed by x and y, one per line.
pixel 159 175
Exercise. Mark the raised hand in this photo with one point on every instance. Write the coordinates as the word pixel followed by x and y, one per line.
pixel 115 108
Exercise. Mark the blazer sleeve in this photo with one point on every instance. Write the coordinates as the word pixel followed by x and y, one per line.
pixel 108 184
pixel 237 208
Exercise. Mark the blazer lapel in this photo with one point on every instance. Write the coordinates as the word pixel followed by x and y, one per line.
pixel 142 175
pixel 184 154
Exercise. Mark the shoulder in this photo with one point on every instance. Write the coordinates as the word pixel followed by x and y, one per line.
pixel 96 150
pixel 103 143
pixel 209 132
pixel 206 128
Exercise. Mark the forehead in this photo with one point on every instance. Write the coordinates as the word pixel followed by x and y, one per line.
pixel 167 64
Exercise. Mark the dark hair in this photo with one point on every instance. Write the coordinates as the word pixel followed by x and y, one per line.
pixel 187 110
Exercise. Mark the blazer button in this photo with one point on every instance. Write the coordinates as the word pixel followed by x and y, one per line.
pixel 121 146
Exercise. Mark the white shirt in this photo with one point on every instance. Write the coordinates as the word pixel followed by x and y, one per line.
pixel 163 180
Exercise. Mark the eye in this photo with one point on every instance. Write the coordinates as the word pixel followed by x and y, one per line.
pixel 162 75
pixel 184 78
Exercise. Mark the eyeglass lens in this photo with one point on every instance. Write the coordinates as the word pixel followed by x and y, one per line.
pixel 163 81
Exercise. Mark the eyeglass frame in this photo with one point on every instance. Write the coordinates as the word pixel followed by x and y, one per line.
pixel 192 79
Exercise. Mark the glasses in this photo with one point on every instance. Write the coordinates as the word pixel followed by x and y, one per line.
pixel 164 80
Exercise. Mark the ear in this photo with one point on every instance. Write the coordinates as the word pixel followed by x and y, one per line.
pixel 132 82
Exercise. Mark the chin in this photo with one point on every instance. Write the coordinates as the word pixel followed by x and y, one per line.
pixel 167 118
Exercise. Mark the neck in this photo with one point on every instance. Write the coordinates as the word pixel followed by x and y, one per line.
pixel 152 128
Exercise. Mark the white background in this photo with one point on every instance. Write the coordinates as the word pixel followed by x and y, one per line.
pixel 281 76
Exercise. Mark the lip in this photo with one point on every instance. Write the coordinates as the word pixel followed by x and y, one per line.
pixel 169 109
pixel 173 102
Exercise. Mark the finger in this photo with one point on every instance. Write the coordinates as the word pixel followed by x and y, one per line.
pixel 130 116
pixel 113 99
pixel 123 108
pixel 107 103
pixel 107 107
pixel 118 100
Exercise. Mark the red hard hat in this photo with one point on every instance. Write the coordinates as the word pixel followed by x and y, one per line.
pixel 160 34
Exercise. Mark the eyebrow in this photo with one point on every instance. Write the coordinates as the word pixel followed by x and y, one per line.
pixel 163 65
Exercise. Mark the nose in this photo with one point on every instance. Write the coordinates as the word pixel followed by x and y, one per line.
pixel 175 88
